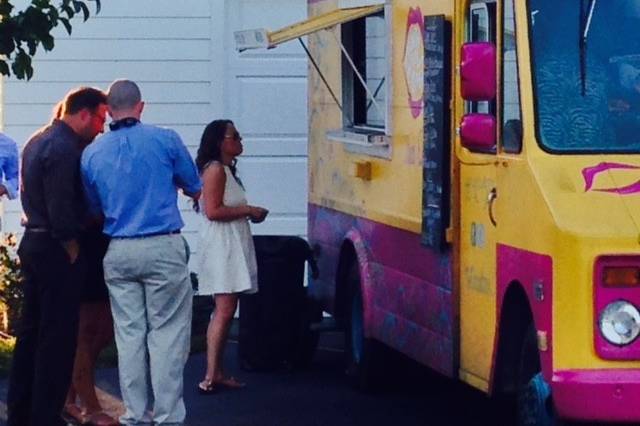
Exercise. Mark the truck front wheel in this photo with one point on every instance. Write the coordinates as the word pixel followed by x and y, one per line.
pixel 534 403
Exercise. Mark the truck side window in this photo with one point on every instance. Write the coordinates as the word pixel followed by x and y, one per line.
pixel 510 118
pixel 481 27
pixel 365 40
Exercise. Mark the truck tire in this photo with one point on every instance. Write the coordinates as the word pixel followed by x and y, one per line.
pixel 363 354
pixel 534 406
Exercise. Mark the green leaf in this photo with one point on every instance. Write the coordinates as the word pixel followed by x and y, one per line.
pixel 5 8
pixel 7 45
pixel 37 22
pixel 66 24
pixel 23 32
pixel 32 45
pixel 22 65
pixel 68 10
pixel 53 14
pixel 4 67
pixel 80 6
pixel 47 43
pixel 18 68
pixel 40 4
pixel 85 10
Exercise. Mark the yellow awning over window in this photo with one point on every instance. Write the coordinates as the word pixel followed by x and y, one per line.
pixel 261 38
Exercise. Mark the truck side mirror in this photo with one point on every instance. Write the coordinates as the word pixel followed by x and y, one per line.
pixel 478 132
pixel 478 71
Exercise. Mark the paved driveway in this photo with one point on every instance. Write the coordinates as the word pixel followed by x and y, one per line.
pixel 317 396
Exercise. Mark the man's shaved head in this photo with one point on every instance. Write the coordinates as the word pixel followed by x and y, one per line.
pixel 123 95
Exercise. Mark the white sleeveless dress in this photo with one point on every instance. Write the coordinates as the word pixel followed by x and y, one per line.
pixel 226 261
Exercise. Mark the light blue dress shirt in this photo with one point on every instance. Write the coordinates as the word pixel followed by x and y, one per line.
pixel 9 165
pixel 130 175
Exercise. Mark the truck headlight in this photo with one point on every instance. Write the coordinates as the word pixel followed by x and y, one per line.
pixel 620 323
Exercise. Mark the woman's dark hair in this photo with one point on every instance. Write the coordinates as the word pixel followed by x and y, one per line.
pixel 211 145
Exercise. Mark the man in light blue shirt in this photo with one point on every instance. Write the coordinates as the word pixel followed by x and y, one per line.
pixel 131 176
pixel 9 165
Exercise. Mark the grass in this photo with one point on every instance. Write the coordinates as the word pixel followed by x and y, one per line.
pixel 6 353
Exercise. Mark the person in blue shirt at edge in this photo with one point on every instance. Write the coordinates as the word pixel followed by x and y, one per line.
pixel 9 160
pixel 9 165
pixel 131 176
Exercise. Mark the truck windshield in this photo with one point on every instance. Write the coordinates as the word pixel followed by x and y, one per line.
pixel 586 74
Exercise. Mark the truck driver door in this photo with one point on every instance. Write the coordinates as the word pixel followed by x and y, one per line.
pixel 478 225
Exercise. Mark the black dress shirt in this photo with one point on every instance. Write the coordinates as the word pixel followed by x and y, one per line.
pixel 51 190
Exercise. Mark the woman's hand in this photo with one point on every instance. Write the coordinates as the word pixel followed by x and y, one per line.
pixel 257 214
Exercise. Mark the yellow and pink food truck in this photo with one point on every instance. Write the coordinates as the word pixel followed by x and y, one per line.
pixel 474 192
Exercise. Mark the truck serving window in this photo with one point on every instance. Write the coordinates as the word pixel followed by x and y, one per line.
pixel 586 69
pixel 364 89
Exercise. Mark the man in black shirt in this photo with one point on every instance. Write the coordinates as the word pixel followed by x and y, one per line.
pixel 52 264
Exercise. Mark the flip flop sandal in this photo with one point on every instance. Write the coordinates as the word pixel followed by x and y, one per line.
pixel 206 388
pixel 73 415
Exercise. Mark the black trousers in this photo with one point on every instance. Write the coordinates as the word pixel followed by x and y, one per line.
pixel 46 342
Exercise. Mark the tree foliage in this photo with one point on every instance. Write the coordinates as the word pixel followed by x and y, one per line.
pixel 11 292
pixel 21 32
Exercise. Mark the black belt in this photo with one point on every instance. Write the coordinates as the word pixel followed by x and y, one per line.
pixel 37 230
pixel 153 234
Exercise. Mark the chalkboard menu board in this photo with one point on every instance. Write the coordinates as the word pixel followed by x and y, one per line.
pixel 437 88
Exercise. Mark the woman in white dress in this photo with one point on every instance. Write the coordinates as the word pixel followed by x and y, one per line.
pixel 227 262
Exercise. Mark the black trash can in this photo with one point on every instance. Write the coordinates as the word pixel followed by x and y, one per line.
pixel 272 321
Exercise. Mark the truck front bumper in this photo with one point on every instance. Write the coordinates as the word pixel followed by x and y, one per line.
pixel 597 395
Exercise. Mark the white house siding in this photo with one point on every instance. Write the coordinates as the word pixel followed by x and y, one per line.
pixel 182 56
pixel 265 95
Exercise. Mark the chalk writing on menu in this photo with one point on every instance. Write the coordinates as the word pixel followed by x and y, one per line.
pixel 435 175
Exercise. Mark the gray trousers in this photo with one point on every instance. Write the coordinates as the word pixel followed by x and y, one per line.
pixel 151 299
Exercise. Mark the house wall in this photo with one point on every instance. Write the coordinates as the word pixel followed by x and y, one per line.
pixel 184 60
